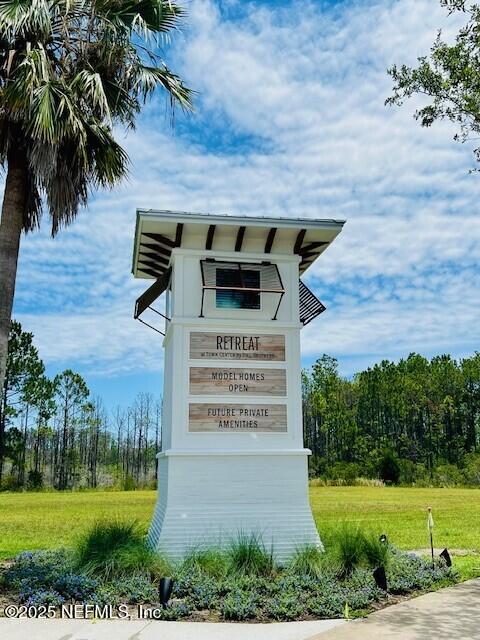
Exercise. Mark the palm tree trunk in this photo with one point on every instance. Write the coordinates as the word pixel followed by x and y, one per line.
pixel 11 224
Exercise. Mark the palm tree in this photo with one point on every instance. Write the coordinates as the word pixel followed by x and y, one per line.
pixel 70 70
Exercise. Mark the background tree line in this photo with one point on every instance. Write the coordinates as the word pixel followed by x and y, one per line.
pixel 54 434
pixel 415 421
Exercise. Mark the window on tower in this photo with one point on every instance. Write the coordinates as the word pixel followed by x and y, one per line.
pixel 239 296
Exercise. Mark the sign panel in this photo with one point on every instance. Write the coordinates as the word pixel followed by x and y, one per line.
pixel 263 418
pixel 248 382
pixel 244 346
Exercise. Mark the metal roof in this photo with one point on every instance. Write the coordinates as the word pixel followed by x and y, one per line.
pixel 158 232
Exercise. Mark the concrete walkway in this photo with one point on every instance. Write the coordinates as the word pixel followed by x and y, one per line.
pixel 155 630
pixel 449 614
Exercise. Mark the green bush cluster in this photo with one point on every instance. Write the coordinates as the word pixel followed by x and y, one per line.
pixel 112 564
pixel 384 466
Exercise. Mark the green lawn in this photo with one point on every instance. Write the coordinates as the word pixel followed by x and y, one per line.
pixel 40 520
pixel 401 513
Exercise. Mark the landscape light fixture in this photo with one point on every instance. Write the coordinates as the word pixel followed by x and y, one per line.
pixel 165 587
pixel 380 578
pixel 446 556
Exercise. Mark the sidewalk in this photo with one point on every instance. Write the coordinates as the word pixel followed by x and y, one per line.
pixel 154 630
pixel 449 614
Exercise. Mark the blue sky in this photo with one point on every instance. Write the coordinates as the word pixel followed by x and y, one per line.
pixel 290 120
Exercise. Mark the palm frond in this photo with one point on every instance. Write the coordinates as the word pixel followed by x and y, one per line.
pixel 25 17
pixel 71 70
pixel 89 87
pixel 149 78
pixel 109 162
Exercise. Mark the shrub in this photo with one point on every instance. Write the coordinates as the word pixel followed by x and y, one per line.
pixel 132 590
pixel 43 597
pixel 329 605
pixel 410 472
pixel 409 573
pixel 316 466
pixel 348 549
pixel 247 555
pixel 377 553
pixel 447 475
pixel 471 469
pixel 389 467
pixel 10 483
pixel 76 587
pixel 116 549
pixel 346 471
pixel 314 583
pixel 263 586
pixel 239 606
pixel 128 483
pixel 175 611
pixel 204 595
pixel 307 561
pixel 35 479
pixel 287 606
pixel 212 562
pixel 38 569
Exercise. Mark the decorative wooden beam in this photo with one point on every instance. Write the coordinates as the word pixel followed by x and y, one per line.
pixel 299 241
pixel 210 234
pixel 239 240
pixel 270 239
pixel 311 246
pixel 151 265
pixel 178 234
pixel 159 238
pixel 150 272
pixel 307 256
pixel 156 248
pixel 153 256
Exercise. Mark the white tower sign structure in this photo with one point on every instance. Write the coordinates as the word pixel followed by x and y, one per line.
pixel 232 457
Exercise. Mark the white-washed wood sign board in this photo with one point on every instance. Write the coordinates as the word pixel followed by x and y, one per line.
pixel 233 381
pixel 220 346
pixel 266 418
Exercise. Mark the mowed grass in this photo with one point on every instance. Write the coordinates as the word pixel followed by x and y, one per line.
pixel 46 520
pixel 401 513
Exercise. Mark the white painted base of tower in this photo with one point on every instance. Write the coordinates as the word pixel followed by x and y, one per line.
pixel 207 498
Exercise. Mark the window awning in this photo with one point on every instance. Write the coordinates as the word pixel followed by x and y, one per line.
pixel 269 279
pixel 310 305
pixel 149 296
pixel 270 282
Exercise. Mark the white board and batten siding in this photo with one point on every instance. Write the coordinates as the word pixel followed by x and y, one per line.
pixel 233 457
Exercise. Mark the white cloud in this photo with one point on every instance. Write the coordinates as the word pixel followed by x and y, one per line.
pixel 291 121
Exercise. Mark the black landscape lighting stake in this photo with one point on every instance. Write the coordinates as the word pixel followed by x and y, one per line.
pixel 430 529
pixel 165 587
pixel 446 556
pixel 380 578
